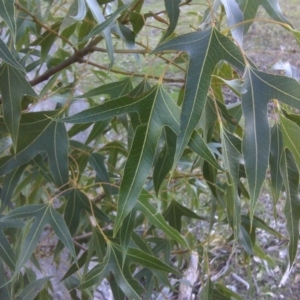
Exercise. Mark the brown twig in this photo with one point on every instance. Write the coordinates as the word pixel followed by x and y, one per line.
pixel 132 74
pixel 79 245
pixel 83 236
pixel 99 198
pixel 76 57
pixel 123 51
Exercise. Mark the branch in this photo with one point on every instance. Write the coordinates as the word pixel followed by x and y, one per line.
pixel 123 51
pixel 76 57
pixel 132 74
pixel 83 236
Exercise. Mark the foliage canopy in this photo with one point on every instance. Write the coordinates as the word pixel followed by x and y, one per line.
pixel 155 147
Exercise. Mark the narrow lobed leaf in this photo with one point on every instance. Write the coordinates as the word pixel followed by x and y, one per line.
pixel 205 49
pixel 7 13
pixel 290 176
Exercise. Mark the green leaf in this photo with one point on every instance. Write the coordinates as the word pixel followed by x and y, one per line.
pixel 275 12
pixel 81 11
pixel 232 158
pixel 175 211
pixel 157 219
pixel 46 40
pixel 98 29
pixel 235 110
pixel 276 150
pixel 96 161
pixel 13 86
pixel 234 18
pixel 77 128
pixel 296 35
pixel 210 175
pixel 290 175
pixel 117 292
pixel 282 88
pixel 126 35
pixel 32 289
pixel 291 116
pixel 153 275
pixel 256 141
pixel 98 130
pixel 39 161
pixel 157 110
pixel 165 159
pixel 121 272
pixel 98 245
pixel 149 261
pixel 7 56
pixel 43 214
pixel 39 133
pixel 7 13
pixel 125 232
pixel 137 20
pixel 76 12
pixel 207 291
pixel 10 182
pixel 250 8
pixel 153 279
pixel 114 89
pixel 76 266
pixel 198 145
pixel 112 108
pixel 104 25
pixel 235 84
pixel 71 284
pixel 141 88
pixel 208 120
pixel 162 112
pixel 78 202
pixel 85 28
pixel 259 223
pixel 205 49
pixel 173 11
pixel 6 252
pixel 290 135
pixel 262 87
pixel 229 115
pixel 259 252
pixel 24 26
pixel 245 240
pixel 4 285
pixel 221 292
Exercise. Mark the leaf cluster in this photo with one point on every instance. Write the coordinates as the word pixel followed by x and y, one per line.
pixel 124 187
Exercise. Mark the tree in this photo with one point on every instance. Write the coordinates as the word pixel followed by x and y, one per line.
pixel 162 150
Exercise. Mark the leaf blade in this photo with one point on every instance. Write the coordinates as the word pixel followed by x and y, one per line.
pixel 202 61
pixel 6 56
pixel 234 17
pixel 173 11
pixel 7 13
pixel 13 86
pixel 290 176
pixel 157 219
